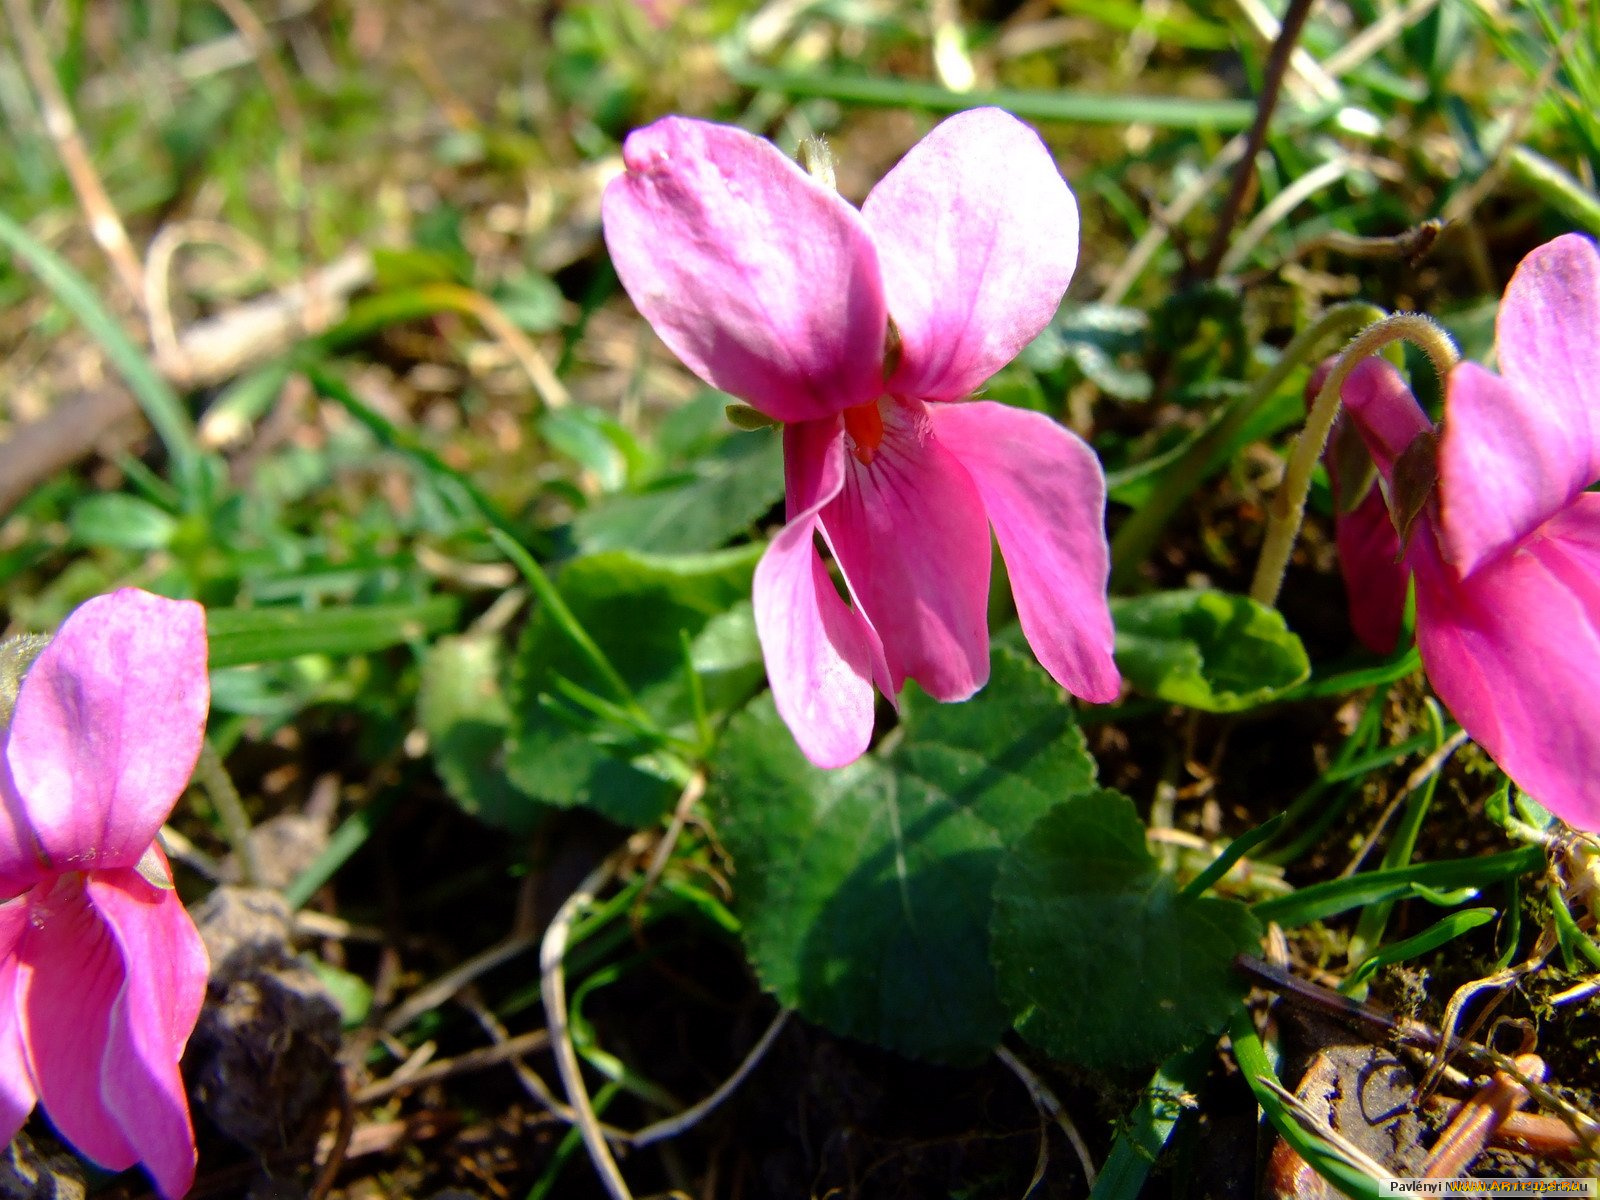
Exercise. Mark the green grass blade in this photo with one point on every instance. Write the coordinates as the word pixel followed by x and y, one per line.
pixel 346 840
pixel 1555 187
pixel 1447 929
pixel 1237 849
pixel 1363 677
pixel 1168 112
pixel 240 636
pixel 1375 917
pixel 1150 1125
pixel 1254 1065
pixel 161 405
pixel 1322 900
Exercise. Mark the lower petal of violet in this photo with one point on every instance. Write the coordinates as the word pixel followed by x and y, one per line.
pixel 70 977
pixel 1514 651
pixel 818 650
pixel 151 1021
pixel 17 1096
pixel 909 532
pixel 1045 495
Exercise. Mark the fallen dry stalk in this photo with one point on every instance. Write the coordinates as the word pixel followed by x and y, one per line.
pixel 62 129
pixel 210 352
pixel 553 985
pixel 461 1064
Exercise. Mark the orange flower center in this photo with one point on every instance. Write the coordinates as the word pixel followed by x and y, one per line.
pixel 863 424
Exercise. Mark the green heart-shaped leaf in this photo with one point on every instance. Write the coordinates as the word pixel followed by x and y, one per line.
pixel 865 891
pixel 1099 959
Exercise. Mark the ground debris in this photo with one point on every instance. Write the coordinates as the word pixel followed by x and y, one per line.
pixel 28 1172
pixel 263 1056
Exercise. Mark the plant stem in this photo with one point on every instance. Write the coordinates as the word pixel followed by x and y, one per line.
pixel 1137 535
pixel 214 777
pixel 1289 506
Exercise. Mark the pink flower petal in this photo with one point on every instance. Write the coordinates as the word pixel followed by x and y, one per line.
pixel 1545 331
pixel 17 1096
pixel 1514 649
pixel 761 280
pixel 1384 411
pixel 1516 449
pixel 977 238
pixel 910 535
pixel 1505 465
pixel 1375 581
pixel 107 728
pixel 151 1021
pixel 70 974
pixel 21 864
pixel 819 651
pixel 1046 498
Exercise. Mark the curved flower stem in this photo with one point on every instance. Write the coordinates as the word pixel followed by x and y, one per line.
pixel 1137 536
pixel 1289 505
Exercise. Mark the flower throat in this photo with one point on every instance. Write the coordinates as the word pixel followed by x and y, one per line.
pixel 864 426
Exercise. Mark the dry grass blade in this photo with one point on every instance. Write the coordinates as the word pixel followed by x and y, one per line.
pixel 693 1115
pixel 1045 1100
pixel 553 985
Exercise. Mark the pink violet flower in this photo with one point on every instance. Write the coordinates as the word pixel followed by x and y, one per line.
pixel 1375 582
pixel 1500 533
pixel 859 330
pixel 102 972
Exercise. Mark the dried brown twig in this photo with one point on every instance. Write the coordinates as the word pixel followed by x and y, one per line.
pixel 1294 20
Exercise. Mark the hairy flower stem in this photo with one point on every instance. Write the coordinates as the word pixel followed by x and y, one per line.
pixel 1137 536
pixel 214 777
pixel 1289 506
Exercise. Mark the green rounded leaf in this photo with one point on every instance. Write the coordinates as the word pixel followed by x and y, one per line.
pixel 1099 958
pixel 462 710
pixel 865 891
pixel 718 497
pixel 1208 650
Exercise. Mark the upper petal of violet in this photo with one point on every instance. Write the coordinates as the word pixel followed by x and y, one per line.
pixel 108 726
pixel 977 238
pixel 1515 450
pixel 764 282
